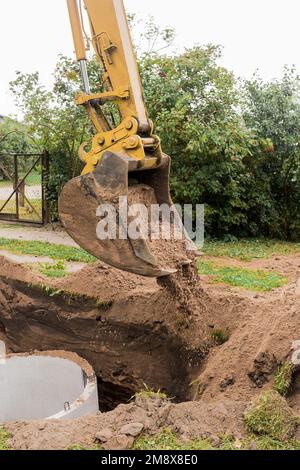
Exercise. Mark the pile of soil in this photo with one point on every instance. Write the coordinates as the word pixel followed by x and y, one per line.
pixel 189 420
pixel 172 321
pixel 132 330
pixel 137 252
pixel 261 337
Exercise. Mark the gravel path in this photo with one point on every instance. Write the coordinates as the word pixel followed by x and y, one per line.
pixel 32 192
pixel 44 234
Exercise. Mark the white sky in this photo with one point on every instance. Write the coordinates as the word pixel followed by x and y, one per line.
pixel 261 34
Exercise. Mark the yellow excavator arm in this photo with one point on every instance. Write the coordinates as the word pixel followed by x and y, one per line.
pixel 124 161
pixel 112 43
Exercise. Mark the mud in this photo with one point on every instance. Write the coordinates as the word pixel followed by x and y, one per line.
pixel 131 335
pixel 159 333
pixel 190 420
pixel 146 254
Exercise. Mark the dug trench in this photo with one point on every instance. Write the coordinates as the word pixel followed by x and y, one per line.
pixel 140 339
pixel 137 331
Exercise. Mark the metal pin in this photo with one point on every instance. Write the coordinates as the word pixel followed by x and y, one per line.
pixel 85 77
pixel 67 406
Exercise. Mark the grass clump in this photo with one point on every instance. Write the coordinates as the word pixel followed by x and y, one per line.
pixel 53 271
pixel 219 337
pixel 255 280
pixel 148 392
pixel 4 436
pixel 271 416
pixel 50 291
pixel 267 443
pixel 228 442
pixel 37 248
pixel 283 378
pixel 168 440
pixel 247 250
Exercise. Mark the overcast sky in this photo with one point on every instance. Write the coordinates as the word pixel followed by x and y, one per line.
pixel 261 34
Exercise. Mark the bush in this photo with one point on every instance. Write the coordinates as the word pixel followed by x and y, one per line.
pixel 236 150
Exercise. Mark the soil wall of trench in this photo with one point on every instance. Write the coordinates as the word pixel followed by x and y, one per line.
pixel 146 338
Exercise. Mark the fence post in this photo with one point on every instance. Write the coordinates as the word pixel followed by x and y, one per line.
pixel 21 192
pixel 16 182
pixel 45 182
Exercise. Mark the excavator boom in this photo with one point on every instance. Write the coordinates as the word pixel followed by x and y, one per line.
pixel 124 160
pixel 112 43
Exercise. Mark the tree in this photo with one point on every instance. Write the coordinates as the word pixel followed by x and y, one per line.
pixel 57 124
pixel 52 117
pixel 193 102
pixel 272 111
pixel 13 139
pixel 236 150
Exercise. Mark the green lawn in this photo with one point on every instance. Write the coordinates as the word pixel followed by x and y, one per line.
pixel 37 248
pixel 6 184
pixel 168 440
pixel 257 280
pixel 53 271
pixel 33 179
pixel 26 212
pixel 247 250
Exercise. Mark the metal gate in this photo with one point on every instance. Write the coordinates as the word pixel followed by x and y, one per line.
pixel 23 187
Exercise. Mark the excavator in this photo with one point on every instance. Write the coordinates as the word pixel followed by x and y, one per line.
pixel 120 156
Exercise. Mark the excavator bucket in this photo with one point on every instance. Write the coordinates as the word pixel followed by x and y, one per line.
pixel 87 200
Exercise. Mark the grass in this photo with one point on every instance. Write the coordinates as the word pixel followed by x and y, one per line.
pixel 33 179
pixel 283 378
pixel 148 392
pixel 6 184
pixel 66 295
pixel 267 443
pixel 37 248
pixel 53 271
pixel 25 213
pixel 256 280
pixel 260 442
pixel 248 250
pixel 270 416
pixel 168 440
pixel 4 436
pixel 219 337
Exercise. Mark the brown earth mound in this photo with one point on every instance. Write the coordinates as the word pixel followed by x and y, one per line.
pixel 132 330
pixel 162 335
pixel 190 420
